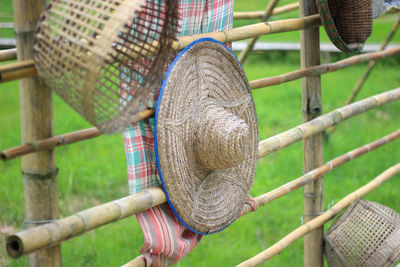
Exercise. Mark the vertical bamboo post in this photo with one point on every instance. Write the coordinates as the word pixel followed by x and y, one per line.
pixel 38 169
pixel 312 146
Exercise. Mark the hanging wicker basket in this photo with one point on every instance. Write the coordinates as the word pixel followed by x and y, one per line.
pixel 92 52
pixel 348 23
pixel 367 235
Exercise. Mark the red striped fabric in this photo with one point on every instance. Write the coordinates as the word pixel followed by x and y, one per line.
pixel 166 240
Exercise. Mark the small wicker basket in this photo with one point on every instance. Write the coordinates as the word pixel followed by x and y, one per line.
pixel 348 23
pixel 367 235
pixel 93 52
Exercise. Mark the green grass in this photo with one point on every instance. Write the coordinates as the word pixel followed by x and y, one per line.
pixel 94 171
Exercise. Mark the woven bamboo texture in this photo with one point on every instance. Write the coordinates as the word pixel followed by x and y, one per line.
pixel 347 23
pixel 78 54
pixel 367 234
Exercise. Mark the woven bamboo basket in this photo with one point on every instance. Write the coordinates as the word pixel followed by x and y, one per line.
pixel 104 58
pixel 348 23
pixel 367 235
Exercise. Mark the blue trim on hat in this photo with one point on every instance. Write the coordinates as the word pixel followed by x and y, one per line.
pixel 156 125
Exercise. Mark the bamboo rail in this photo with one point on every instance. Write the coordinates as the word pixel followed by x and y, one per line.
pixel 25 69
pixel 290 76
pixel 322 219
pixel 136 262
pixel 322 170
pixel 17 70
pixel 274 80
pixel 53 233
pixel 324 68
pixel 50 234
pixel 323 122
pixel 261 14
pixel 64 139
pixel 266 146
pixel 8 54
pixel 250 44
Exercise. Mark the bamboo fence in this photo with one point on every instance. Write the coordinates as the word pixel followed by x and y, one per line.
pixel 65 139
pixel 290 76
pixel 50 234
pixel 39 171
pixel 322 219
pixel 13 70
pixel 322 170
pixel 323 122
pixel 305 179
pixel 27 68
pixel 261 14
pixel 250 44
pixel 8 54
pixel 324 68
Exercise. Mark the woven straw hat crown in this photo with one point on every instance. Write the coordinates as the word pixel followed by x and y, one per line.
pixel 206 136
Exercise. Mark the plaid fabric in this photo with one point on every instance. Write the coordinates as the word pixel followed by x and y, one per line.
pixel 166 240
pixel 196 16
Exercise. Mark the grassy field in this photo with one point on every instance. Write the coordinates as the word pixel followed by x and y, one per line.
pixel 94 171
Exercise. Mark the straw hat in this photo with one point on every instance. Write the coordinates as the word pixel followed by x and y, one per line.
pixel 348 23
pixel 91 52
pixel 206 136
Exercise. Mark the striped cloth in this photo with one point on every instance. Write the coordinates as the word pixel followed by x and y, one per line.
pixel 166 240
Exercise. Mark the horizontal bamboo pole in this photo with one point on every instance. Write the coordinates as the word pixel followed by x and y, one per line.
pixel 8 54
pixel 253 30
pixel 50 234
pixel 25 69
pixel 320 171
pixel 17 70
pixel 64 139
pixel 261 14
pixel 322 219
pixel 324 68
pixel 136 262
pixel 53 233
pixel 325 121
pixel 266 146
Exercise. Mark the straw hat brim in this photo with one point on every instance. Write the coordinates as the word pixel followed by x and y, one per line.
pixel 204 201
